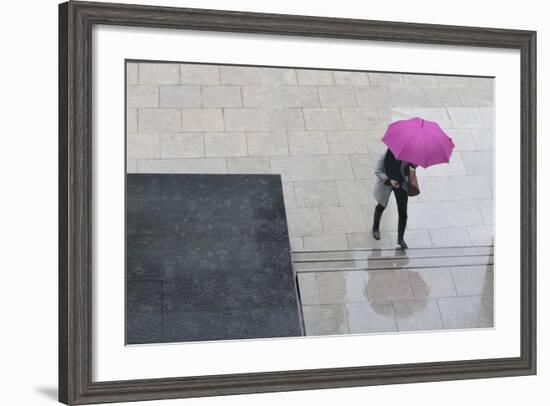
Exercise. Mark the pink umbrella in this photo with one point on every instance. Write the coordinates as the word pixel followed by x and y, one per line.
pixel 418 141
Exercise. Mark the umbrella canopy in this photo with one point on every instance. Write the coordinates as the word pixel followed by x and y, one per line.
pixel 418 141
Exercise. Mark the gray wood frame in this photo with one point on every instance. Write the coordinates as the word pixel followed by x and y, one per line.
pixel 75 179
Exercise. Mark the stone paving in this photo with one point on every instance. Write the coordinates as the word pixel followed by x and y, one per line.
pixel 321 130
pixel 377 290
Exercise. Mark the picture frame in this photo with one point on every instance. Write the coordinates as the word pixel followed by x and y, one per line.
pixel 76 19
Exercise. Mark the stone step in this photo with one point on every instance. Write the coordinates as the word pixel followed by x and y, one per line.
pixel 363 260
pixel 386 253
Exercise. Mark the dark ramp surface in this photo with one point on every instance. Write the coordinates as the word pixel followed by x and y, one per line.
pixel 208 258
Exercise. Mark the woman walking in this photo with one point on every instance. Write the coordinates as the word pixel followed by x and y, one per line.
pixel 392 175
pixel 415 142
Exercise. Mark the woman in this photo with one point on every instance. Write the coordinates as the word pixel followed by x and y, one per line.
pixel 392 175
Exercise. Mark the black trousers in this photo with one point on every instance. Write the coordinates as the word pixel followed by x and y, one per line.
pixel 402 199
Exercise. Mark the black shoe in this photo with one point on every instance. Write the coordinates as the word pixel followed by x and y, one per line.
pixel 402 243
pixel 401 226
pixel 378 210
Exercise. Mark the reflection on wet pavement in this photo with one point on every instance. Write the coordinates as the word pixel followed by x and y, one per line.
pixel 377 290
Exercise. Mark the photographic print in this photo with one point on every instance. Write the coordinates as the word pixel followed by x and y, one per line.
pixel 296 215
pixel 267 202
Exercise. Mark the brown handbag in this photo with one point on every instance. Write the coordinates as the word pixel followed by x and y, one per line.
pixel 412 187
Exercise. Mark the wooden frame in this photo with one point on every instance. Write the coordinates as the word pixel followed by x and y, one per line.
pixel 75 347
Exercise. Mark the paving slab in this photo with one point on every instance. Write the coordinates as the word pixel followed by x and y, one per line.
pixel 208 256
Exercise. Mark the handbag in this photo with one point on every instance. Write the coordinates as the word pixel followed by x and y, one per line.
pixel 412 187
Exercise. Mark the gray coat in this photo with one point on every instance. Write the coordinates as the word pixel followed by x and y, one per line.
pixel 382 191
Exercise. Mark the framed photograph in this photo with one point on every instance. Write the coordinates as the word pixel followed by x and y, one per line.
pixel 258 202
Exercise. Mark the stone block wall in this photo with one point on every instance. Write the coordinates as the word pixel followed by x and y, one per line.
pixel 321 131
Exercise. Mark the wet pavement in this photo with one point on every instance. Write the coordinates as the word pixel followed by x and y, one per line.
pixel 373 290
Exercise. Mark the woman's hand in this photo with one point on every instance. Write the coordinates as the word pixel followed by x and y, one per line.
pixel 394 183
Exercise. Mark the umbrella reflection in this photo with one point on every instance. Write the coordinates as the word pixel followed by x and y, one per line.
pixel 383 284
